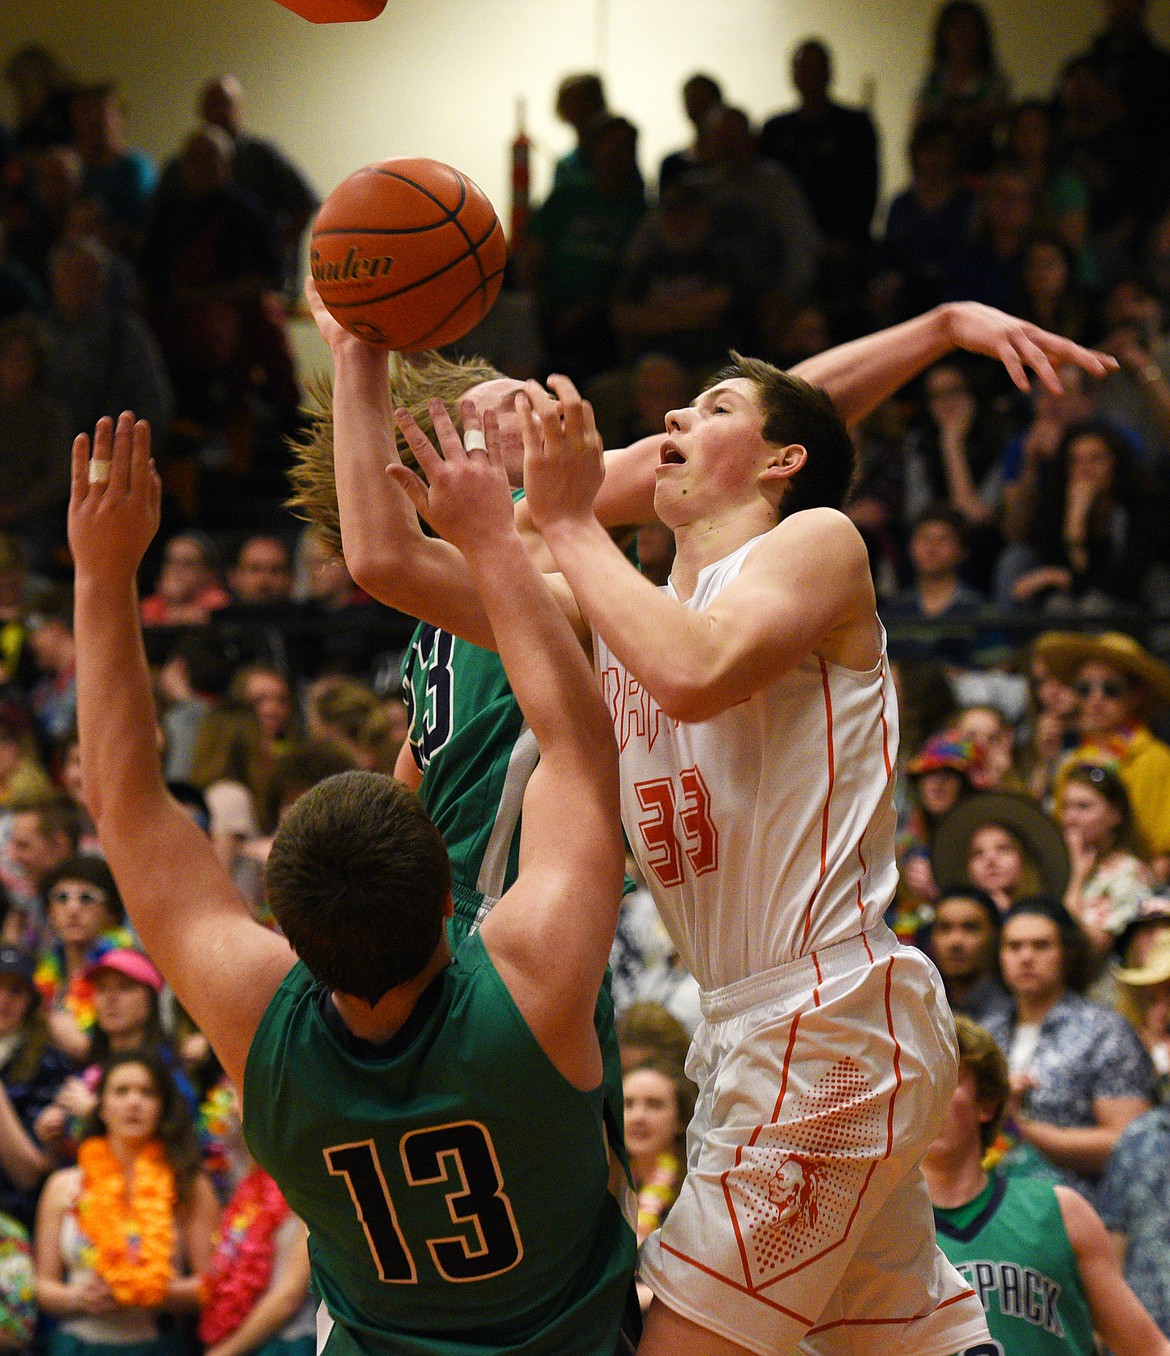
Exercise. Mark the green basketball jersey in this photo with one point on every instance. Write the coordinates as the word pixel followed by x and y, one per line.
pixel 454 1184
pixel 1010 1243
pixel 475 752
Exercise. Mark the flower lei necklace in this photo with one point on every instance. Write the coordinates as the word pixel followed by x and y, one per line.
pixel 241 1265
pixel 658 1193
pixel 133 1237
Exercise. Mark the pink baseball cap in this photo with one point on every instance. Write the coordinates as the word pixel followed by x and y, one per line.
pixel 133 964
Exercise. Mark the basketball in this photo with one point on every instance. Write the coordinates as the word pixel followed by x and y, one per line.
pixel 408 254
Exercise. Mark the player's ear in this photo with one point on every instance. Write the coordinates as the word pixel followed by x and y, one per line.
pixel 449 906
pixel 783 463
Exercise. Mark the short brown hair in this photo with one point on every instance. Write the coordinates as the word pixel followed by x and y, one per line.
pixel 358 879
pixel 796 412
pixel 414 381
pixel 979 1052
pixel 56 813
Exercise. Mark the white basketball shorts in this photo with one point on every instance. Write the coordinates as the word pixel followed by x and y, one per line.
pixel 804 1219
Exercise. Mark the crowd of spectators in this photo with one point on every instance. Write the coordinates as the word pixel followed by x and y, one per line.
pixel 1034 834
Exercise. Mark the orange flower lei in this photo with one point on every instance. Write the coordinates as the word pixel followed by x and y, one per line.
pixel 133 1239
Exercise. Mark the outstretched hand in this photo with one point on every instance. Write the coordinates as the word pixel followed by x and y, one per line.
pixel 466 497
pixel 114 499
pixel 1020 345
pixel 563 466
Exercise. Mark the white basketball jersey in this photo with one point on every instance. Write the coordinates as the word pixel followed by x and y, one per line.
pixel 767 832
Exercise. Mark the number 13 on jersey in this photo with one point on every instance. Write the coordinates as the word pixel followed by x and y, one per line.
pixel 460 1155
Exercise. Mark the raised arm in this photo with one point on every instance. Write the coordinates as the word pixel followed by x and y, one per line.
pixel 222 964
pixel 385 548
pixel 551 934
pixel 860 375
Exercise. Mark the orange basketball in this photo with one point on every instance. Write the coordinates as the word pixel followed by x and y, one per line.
pixel 408 254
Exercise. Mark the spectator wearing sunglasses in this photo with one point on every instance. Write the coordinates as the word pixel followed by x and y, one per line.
pixel 1119 685
pixel 84 913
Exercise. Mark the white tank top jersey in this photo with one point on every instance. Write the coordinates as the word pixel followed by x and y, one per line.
pixel 767 832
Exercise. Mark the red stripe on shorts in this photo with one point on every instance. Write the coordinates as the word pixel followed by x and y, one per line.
pixel 873 1322
pixel 897 1057
pixel 735 1285
pixel 739 1148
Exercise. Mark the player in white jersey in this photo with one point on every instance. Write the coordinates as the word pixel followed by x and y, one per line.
pixel 758 733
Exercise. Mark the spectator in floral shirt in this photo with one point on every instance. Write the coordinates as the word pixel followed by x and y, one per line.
pixel 1079 1072
pixel 1134 1202
pixel 1108 883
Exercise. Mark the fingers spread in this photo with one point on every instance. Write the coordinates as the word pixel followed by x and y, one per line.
pixel 449 439
pixel 1040 363
pixel 140 463
pixel 1011 360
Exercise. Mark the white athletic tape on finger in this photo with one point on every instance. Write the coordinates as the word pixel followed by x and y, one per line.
pixel 473 441
pixel 99 471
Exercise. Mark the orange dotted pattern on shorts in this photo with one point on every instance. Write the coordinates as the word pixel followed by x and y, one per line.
pixel 796 1187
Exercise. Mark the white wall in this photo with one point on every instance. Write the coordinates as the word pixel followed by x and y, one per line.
pixel 441 78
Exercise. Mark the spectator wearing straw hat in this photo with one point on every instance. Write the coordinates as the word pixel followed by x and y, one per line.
pixel 1143 996
pixel 1134 1197
pixel 1119 684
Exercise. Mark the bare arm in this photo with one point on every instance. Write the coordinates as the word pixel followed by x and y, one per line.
pixel 1117 1313
pixel 197 1224
pixel 385 548
pixel 550 935
pixel 861 375
pixel 1085 1149
pixel 89 1294
pixel 222 964
pixel 406 769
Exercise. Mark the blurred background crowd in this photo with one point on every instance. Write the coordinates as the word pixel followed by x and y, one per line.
pixel 1018 543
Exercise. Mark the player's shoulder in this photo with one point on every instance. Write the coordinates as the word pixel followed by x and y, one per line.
pixel 1082 1223
pixel 817 539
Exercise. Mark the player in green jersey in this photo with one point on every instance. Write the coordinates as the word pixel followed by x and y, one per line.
pixel 1037 1254
pixel 436 1119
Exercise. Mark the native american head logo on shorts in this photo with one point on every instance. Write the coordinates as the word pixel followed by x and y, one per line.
pixel 793 1189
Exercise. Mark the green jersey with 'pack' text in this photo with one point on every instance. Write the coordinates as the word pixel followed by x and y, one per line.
pixel 1011 1245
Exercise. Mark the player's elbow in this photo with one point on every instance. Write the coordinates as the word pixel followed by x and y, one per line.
pixel 694 687
pixel 376 568
pixel 690 700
